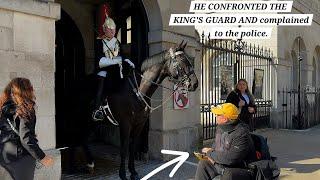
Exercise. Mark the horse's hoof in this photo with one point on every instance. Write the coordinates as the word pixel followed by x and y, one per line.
pixel 134 177
pixel 145 157
pixel 123 176
pixel 89 168
pixel 86 170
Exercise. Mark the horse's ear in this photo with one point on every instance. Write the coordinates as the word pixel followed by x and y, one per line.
pixel 184 46
pixel 180 45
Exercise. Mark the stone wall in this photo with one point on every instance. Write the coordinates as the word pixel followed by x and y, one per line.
pixel 171 129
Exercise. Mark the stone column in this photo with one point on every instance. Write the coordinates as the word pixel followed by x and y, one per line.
pixel 171 129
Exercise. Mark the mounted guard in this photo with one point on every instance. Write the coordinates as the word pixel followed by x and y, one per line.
pixel 111 51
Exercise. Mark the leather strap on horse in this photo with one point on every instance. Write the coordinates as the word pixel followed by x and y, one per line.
pixel 141 96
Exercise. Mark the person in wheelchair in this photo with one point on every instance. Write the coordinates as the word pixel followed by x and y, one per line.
pixel 233 146
pixel 111 51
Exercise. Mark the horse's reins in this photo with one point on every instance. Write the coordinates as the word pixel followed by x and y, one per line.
pixel 152 82
pixel 142 96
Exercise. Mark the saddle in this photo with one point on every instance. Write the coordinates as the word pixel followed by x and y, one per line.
pixel 113 82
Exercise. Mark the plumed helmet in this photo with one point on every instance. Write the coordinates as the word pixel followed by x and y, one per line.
pixel 109 28
pixel 109 23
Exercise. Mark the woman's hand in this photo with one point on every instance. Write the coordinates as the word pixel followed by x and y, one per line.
pixel 241 103
pixel 251 110
pixel 47 161
pixel 207 150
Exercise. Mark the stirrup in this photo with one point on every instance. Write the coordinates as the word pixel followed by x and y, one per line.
pixel 109 115
pixel 95 115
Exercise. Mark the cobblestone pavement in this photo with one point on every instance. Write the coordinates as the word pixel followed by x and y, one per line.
pixel 298 153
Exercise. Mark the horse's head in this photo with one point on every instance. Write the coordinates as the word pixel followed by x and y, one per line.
pixel 179 68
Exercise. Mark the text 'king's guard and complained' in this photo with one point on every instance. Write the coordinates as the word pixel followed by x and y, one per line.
pixel 226 18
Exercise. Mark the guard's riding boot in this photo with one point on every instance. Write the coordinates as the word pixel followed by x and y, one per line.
pixel 97 114
pixel 101 110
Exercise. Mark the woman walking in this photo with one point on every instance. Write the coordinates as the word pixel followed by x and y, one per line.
pixel 18 143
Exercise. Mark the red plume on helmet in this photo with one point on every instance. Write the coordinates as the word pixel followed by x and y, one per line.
pixel 104 10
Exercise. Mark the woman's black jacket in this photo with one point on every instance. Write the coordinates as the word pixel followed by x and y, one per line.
pixel 12 146
pixel 234 98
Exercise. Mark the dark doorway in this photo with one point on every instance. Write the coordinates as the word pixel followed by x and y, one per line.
pixel 70 55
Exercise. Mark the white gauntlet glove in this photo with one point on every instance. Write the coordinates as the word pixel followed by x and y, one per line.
pixel 130 63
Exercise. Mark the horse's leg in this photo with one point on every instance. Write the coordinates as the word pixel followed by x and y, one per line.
pixel 85 146
pixel 124 139
pixel 90 161
pixel 132 148
pixel 136 131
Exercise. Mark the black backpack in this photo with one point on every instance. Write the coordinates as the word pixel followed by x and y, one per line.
pixel 265 168
pixel 261 146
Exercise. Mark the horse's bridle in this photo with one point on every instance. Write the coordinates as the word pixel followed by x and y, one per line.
pixel 182 76
pixel 178 81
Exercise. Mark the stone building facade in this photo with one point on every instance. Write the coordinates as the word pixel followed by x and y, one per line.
pixel 284 44
pixel 284 71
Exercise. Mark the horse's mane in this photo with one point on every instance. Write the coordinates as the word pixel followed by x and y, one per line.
pixel 153 60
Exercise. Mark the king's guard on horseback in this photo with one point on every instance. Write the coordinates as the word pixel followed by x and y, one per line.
pixel 111 51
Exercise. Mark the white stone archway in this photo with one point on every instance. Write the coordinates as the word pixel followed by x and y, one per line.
pixel 295 63
pixel 315 64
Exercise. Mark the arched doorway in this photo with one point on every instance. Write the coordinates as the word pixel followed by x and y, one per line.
pixel 315 63
pixel 299 49
pixel 70 55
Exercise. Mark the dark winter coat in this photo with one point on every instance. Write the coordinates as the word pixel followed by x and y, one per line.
pixel 12 146
pixel 234 98
pixel 233 145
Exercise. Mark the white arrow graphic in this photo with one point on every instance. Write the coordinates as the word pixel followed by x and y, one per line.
pixel 183 156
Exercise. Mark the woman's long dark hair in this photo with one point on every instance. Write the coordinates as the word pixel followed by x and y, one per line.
pixel 20 91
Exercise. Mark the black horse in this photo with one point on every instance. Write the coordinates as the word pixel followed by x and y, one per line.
pixel 130 105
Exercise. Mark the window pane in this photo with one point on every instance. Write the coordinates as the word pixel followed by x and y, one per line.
pixel 119 35
pixel 129 22
pixel 129 36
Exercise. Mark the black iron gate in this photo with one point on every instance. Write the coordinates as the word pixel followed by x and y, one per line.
pixel 223 63
pixel 309 108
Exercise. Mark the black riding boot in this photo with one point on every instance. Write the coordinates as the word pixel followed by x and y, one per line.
pixel 102 110
pixel 98 113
